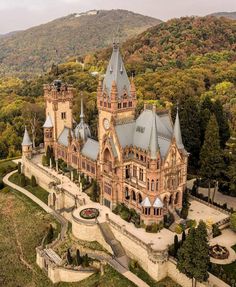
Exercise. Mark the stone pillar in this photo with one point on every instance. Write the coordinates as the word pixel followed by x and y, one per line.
pixel 57 169
pixel 72 175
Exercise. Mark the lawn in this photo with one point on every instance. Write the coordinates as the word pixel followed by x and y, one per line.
pixel 138 270
pixel 38 191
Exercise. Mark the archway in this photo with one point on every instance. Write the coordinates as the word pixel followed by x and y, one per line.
pixel 107 161
pixel 140 199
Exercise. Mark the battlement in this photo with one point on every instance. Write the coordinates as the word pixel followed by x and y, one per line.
pixel 59 91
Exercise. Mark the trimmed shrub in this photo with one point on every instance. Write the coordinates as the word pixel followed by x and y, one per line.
pixel 215 230
pixel 22 180
pixel 178 229
pixel 19 167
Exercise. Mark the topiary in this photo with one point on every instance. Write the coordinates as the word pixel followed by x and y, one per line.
pixel 33 181
pixel 178 229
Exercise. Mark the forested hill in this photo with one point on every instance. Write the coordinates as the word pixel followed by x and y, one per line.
pixel 230 15
pixel 179 43
pixel 35 49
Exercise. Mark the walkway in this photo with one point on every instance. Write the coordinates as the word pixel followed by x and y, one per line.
pixel 64 224
pixel 62 220
pixel 219 197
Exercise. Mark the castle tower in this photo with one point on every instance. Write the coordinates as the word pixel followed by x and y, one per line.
pixel 48 132
pixel 59 101
pixel 116 96
pixel 27 147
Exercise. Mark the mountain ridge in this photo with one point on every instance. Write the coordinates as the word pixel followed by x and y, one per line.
pixel 37 48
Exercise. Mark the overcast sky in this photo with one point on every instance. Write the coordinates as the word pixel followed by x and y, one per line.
pixel 22 14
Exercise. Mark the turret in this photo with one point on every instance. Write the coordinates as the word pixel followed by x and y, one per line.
pixel 59 101
pixel 177 132
pixel 27 147
pixel 48 132
pixel 116 94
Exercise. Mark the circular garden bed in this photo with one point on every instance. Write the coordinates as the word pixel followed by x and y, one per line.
pixel 89 213
pixel 219 252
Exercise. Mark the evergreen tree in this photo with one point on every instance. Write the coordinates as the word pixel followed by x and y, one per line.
pixel 22 180
pixel 78 258
pixel 176 245
pixel 185 255
pixel 19 167
pixel 185 205
pixel 201 258
pixel 69 257
pixel 50 234
pixel 85 260
pixel 204 119
pixel 193 255
pixel 211 156
pixel 190 127
pixel 183 236
pixel 33 181
pixel 222 123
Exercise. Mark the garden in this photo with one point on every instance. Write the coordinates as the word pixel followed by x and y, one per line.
pixel 89 213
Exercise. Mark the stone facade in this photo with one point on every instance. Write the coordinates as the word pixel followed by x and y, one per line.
pixel 146 170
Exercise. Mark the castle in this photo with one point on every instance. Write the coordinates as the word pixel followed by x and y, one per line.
pixel 139 162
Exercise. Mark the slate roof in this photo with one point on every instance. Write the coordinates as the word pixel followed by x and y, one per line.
pixel 149 132
pixel 146 202
pixel 177 132
pixel 48 123
pixel 116 72
pixel 63 137
pixel 82 130
pixel 26 138
pixel 91 149
pixel 158 203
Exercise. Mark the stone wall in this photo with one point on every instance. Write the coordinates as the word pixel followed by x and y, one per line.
pixel 184 281
pixel 88 232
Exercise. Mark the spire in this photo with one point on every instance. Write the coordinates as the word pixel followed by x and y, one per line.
pixel 48 123
pixel 177 131
pixel 154 147
pixel 82 110
pixel 116 72
pixel 26 139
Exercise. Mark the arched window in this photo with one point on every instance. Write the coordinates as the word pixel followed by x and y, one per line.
pixel 133 195
pixel 140 199
pixel 126 193
pixel 152 185
pixel 141 158
pixel 148 184
pixel 157 185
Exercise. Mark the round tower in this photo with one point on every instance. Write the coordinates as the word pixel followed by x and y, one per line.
pixel 27 147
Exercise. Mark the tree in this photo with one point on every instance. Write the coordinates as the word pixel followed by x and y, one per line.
pixel 186 252
pixel 185 205
pixel 95 191
pixel 19 167
pixel 201 258
pixel 211 156
pixel 193 255
pixel 78 258
pixel 176 245
pixel 33 181
pixel 190 127
pixel 1 184
pixel 50 234
pixel 183 236
pixel 222 123
pixel 69 257
pixel 22 180
pixel 85 260
pixel 34 114
pixel 233 221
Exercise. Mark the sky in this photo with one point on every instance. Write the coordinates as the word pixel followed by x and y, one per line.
pixel 22 14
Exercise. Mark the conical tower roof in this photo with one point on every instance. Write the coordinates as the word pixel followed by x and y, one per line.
pixel 26 139
pixel 48 123
pixel 153 146
pixel 116 72
pixel 177 132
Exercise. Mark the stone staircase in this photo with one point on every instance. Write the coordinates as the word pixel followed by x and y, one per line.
pixel 116 246
pixel 176 217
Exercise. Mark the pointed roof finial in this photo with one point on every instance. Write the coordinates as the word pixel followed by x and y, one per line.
pixel 81 109
pixel 26 139
pixel 154 147
pixel 177 131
